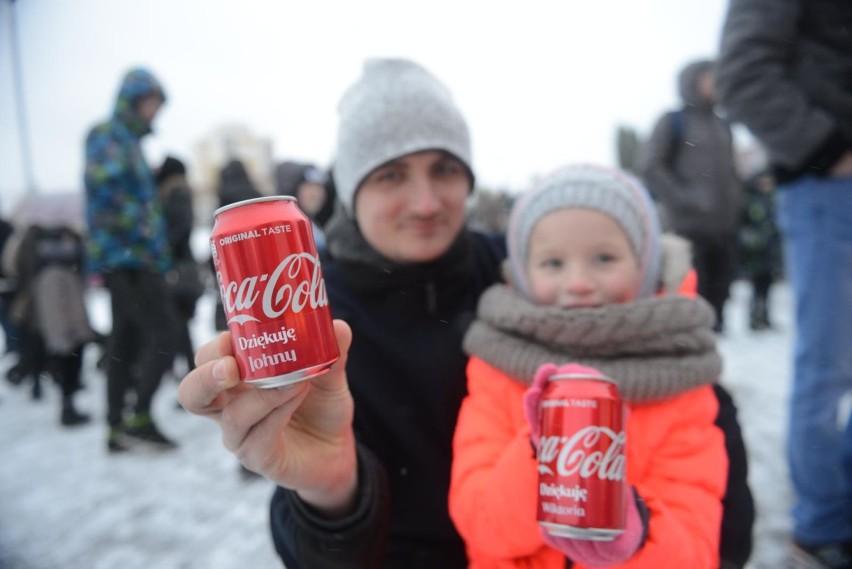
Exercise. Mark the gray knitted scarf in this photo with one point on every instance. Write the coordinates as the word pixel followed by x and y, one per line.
pixel 653 347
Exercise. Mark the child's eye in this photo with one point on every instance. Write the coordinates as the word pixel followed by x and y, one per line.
pixel 604 258
pixel 552 264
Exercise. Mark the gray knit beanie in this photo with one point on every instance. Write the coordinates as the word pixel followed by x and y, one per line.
pixel 397 107
pixel 611 192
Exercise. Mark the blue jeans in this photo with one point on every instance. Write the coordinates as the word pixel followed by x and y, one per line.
pixel 815 216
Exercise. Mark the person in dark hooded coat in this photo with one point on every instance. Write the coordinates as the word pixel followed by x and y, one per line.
pixel 313 191
pixel 405 273
pixel 185 279
pixel 688 164
pixel 235 185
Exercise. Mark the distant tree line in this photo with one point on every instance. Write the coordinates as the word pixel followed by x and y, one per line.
pixel 488 210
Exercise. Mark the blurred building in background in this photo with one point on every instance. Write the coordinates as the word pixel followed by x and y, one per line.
pixel 488 210
pixel 223 144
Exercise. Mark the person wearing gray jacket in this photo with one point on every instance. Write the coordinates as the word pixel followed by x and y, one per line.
pixel 688 164
pixel 785 71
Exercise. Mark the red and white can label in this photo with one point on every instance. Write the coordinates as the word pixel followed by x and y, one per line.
pixel 270 280
pixel 581 460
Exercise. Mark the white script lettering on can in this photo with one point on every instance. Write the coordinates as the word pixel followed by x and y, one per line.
pixel 276 229
pixel 266 360
pixel 560 491
pixel 255 233
pixel 268 339
pixel 561 510
pixel 575 454
pixel 279 293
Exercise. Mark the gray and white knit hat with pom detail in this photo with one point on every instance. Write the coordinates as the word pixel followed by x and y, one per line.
pixel 612 192
pixel 397 107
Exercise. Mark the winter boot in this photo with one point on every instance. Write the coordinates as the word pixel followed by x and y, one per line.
pixel 117 441
pixel 759 316
pixel 765 322
pixel 15 375
pixel 142 428
pixel 70 416
pixel 38 390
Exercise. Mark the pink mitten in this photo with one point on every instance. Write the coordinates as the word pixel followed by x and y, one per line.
pixel 605 553
pixel 591 553
pixel 533 393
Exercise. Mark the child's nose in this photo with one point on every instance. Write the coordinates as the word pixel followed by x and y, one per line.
pixel 577 280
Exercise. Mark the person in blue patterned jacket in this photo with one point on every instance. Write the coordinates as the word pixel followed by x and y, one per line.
pixel 128 247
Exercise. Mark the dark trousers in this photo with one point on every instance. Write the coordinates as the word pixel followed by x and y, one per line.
pixel 32 359
pixel 185 311
pixel 715 261
pixel 65 369
pixel 32 353
pixel 141 344
pixel 10 329
pixel 760 285
pixel 184 346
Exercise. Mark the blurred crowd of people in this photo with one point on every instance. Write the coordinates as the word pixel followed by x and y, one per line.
pixel 136 243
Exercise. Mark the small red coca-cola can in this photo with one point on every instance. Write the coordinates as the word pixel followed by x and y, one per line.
pixel 273 291
pixel 582 489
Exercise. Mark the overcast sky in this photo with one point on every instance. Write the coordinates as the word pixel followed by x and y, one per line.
pixel 541 83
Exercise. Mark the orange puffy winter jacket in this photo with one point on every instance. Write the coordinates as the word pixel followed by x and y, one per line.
pixel 676 460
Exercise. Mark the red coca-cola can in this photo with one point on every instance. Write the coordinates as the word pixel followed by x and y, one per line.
pixel 269 276
pixel 582 488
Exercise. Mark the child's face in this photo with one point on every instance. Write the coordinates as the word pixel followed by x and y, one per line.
pixel 581 257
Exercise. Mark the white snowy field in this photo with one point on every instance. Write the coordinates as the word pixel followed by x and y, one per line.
pixel 65 503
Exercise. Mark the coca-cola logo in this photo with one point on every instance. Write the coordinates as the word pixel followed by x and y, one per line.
pixel 591 451
pixel 282 290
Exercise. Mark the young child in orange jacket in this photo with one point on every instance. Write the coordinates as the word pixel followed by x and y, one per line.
pixel 592 283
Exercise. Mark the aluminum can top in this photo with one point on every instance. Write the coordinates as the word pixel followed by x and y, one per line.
pixel 252 201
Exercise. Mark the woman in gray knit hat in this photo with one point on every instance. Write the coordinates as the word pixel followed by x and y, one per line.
pixel 593 285
pixel 362 454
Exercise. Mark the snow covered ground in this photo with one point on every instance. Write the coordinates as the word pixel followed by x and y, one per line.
pixel 65 503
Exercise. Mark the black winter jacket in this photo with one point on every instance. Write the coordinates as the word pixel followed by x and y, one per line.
pixel 406 371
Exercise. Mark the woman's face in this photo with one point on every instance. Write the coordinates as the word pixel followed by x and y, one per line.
pixel 411 209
